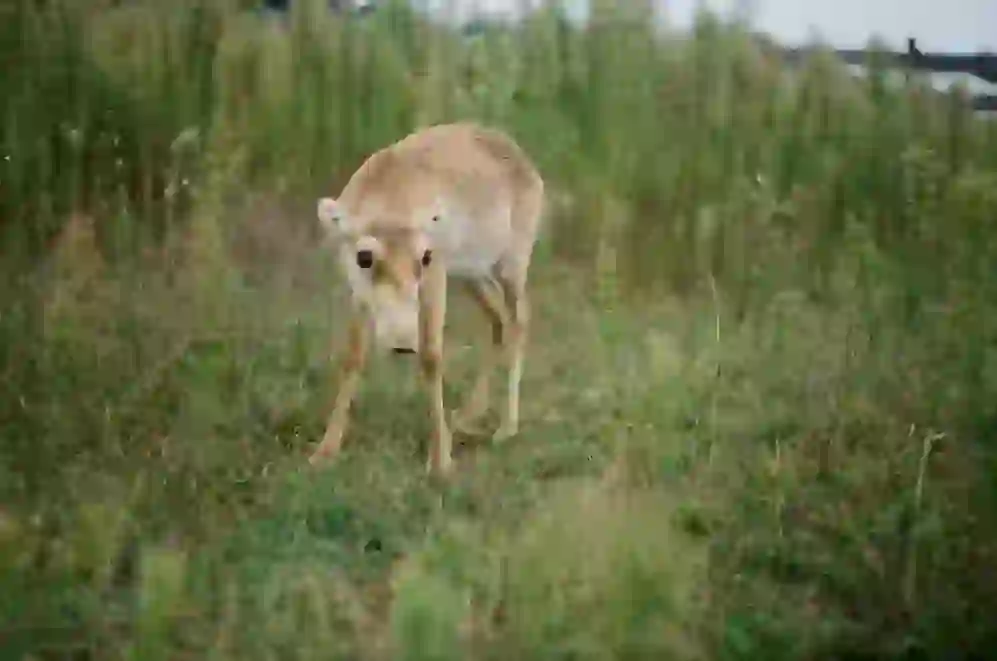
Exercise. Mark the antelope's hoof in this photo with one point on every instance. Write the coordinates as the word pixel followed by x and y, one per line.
pixel 442 468
pixel 468 425
pixel 505 432
pixel 324 455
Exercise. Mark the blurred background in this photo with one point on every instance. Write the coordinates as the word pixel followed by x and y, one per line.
pixel 759 397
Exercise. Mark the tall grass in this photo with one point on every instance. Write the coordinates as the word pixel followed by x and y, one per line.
pixel 762 380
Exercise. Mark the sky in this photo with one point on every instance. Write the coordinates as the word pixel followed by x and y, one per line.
pixel 952 25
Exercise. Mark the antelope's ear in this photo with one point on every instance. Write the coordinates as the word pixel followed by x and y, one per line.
pixel 330 216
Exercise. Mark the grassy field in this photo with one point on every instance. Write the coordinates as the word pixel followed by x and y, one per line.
pixel 760 398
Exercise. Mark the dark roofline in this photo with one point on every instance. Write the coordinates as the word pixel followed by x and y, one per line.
pixel 981 65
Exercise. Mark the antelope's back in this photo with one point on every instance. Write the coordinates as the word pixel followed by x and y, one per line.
pixel 485 186
pixel 492 188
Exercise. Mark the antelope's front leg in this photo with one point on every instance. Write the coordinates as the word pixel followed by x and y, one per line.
pixel 352 361
pixel 488 295
pixel 432 311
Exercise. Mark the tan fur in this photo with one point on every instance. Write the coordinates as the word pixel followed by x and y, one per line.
pixel 471 197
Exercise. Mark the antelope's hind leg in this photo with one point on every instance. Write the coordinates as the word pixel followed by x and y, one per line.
pixel 511 274
pixel 514 346
pixel 488 295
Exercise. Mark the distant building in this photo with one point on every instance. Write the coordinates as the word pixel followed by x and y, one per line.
pixel 361 6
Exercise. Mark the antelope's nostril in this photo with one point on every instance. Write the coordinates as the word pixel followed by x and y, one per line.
pixel 403 350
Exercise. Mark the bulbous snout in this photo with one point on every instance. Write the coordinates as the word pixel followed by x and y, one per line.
pixel 396 321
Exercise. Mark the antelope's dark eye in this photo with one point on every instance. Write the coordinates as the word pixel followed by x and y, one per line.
pixel 365 259
pixel 427 257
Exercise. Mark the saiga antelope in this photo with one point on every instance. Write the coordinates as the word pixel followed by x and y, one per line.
pixel 455 200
